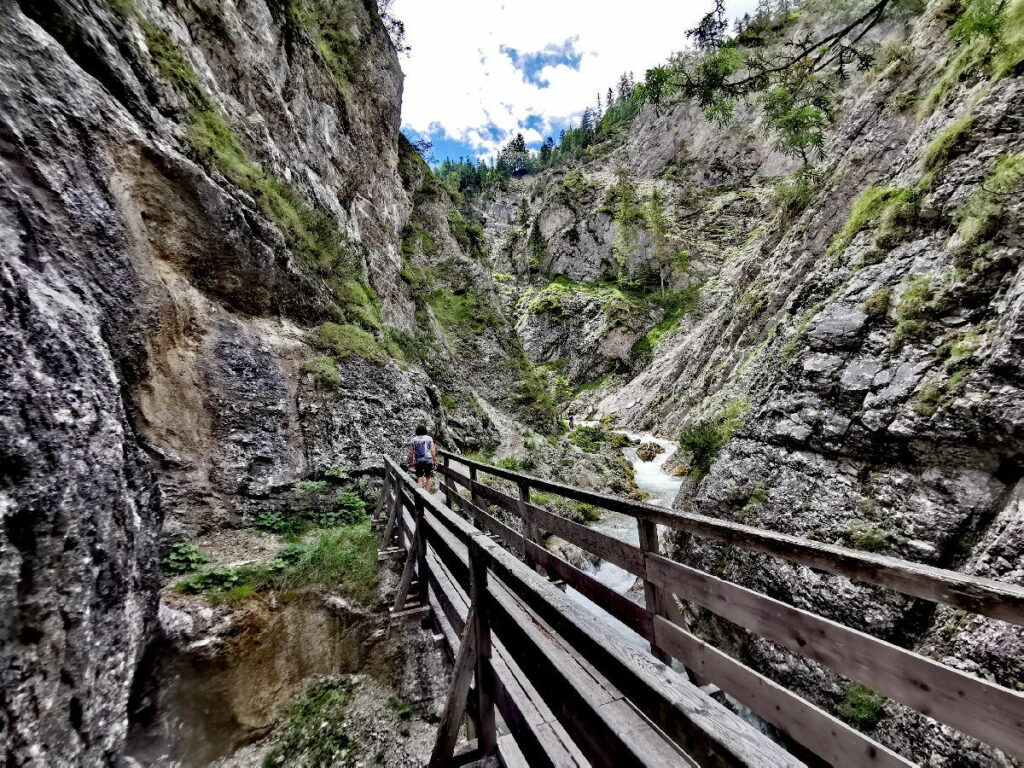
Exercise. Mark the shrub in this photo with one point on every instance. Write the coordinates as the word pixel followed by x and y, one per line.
pixel 928 399
pixel 576 511
pixel 274 522
pixel 349 509
pixel 914 311
pixel 876 307
pixel 346 340
pixel 511 464
pixel 325 373
pixel 861 707
pixel 184 557
pixel 313 732
pixel 706 438
pixel 871 537
pixel 890 205
pixel 220 577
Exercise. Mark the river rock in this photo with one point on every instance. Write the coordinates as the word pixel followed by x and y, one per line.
pixel 647 451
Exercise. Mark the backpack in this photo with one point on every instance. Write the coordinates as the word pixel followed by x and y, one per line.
pixel 421 448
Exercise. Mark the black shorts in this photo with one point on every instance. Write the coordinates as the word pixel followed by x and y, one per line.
pixel 424 469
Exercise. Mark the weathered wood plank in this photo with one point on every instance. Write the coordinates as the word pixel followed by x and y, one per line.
pixel 988 712
pixel 621 607
pixel 984 596
pixel 479 625
pixel 624 555
pixel 455 704
pixel 826 736
pixel 488 522
pixel 657 601
pixel 701 726
pixel 553 673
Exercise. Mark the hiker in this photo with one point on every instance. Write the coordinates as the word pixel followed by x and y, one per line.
pixel 572 421
pixel 423 457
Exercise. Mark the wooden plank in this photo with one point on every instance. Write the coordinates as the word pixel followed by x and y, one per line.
pixel 826 736
pixel 455 704
pixel 391 553
pixel 701 726
pixel 510 754
pixel 410 566
pixel 478 624
pixel 564 690
pixel 488 522
pixel 657 601
pixel 999 600
pixel 409 615
pixel 978 708
pixel 608 548
pixel 621 607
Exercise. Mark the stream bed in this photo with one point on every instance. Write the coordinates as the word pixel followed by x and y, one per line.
pixel 661 488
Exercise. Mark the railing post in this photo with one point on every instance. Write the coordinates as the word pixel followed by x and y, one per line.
pixel 447 483
pixel 421 551
pixel 659 602
pixel 530 530
pixel 485 726
pixel 472 486
pixel 400 516
pixel 382 501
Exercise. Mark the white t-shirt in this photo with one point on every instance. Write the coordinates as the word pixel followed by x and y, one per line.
pixel 421 445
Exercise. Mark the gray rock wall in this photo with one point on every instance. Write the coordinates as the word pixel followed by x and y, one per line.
pixel 160 163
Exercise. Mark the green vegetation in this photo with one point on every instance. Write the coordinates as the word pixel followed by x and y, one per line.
pixel 312 731
pixel 346 340
pixel 914 311
pixel 990 42
pixel 942 146
pixel 676 304
pixel 861 706
pixel 462 311
pixel 577 511
pixel 594 439
pixel 184 557
pixel 313 236
pixel 928 399
pixel 349 509
pixel 876 306
pixel 706 438
pixel 325 373
pixel 793 193
pixel 872 537
pixel 889 208
pixel 345 556
pixel 983 213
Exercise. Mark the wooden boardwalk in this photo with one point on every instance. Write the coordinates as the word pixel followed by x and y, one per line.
pixel 540 681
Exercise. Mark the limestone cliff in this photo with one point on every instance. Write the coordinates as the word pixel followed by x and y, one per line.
pixel 210 292
pixel 850 368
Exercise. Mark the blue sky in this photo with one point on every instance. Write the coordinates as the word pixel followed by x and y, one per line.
pixel 482 70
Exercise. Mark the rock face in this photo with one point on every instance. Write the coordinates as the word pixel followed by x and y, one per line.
pixel 647 451
pixel 862 350
pixel 191 191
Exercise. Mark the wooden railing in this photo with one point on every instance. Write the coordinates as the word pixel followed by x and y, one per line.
pixel 988 712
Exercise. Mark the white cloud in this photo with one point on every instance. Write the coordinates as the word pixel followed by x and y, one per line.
pixel 460 83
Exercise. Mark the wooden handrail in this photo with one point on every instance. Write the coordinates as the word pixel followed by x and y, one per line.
pixel 676 707
pixel 988 597
pixel 989 712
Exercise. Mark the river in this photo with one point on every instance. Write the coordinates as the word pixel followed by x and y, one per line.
pixel 661 488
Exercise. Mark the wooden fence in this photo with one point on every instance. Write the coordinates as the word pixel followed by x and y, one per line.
pixel 475 586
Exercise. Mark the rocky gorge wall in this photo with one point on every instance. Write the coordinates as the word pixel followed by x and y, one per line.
pixel 853 363
pixel 209 286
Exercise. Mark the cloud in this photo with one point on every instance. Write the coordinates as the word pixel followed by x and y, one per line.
pixel 481 70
